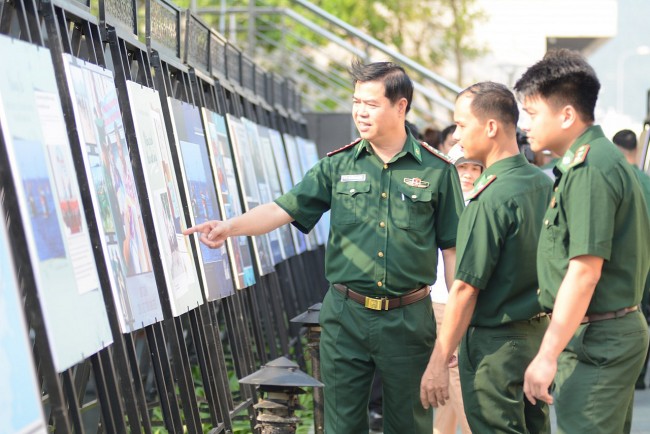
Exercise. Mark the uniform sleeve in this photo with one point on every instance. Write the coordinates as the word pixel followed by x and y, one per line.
pixel 448 209
pixel 481 234
pixel 310 198
pixel 591 205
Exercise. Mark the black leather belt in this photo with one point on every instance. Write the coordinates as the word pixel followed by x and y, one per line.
pixel 593 317
pixel 383 303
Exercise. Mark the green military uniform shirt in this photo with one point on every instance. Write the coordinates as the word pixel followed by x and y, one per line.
pixel 597 209
pixel 497 241
pixel 387 221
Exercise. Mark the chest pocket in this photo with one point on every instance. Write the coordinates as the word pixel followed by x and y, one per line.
pixel 412 209
pixel 349 202
pixel 552 240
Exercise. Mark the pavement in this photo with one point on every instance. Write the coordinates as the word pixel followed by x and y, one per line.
pixel 640 415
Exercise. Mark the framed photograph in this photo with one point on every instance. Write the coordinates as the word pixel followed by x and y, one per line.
pixel 201 195
pixel 114 194
pixel 250 188
pixel 164 199
pixel 38 153
pixel 21 409
pixel 286 183
pixel 264 183
pixel 265 151
pixel 293 156
pixel 308 158
pixel 230 205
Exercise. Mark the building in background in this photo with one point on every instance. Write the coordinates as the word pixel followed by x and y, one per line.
pixel 611 34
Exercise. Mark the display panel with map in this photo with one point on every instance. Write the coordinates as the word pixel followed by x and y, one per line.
pixel 201 195
pixel 228 193
pixel 114 195
pixel 49 203
pixel 164 199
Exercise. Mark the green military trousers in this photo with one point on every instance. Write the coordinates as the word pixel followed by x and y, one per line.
pixel 354 342
pixel 492 362
pixel 594 385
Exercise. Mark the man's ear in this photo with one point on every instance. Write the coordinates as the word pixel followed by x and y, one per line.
pixel 491 128
pixel 568 116
pixel 401 106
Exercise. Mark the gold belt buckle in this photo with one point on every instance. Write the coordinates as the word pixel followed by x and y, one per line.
pixel 376 303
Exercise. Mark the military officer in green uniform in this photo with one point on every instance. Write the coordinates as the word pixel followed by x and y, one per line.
pixel 493 305
pixel 393 203
pixel 592 258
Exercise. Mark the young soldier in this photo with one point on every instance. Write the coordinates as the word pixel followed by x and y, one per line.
pixel 394 202
pixel 495 291
pixel 592 258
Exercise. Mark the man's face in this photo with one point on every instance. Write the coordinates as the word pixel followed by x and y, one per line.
pixel 470 131
pixel 542 124
pixel 468 173
pixel 374 115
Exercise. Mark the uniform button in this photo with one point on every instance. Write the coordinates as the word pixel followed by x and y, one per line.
pixel 539 291
pixel 385 166
pixel 384 195
pixel 380 254
pixel 382 224
pixel 352 190
pixel 553 203
pixel 555 189
pixel 415 196
pixel 546 222
pixel 380 284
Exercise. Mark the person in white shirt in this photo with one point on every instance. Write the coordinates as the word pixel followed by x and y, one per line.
pixel 449 417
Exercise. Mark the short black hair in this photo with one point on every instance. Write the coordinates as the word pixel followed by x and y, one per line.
pixel 396 82
pixel 626 139
pixel 493 100
pixel 562 77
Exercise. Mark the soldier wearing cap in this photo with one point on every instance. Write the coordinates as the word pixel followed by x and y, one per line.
pixel 493 305
pixel 393 203
pixel 593 255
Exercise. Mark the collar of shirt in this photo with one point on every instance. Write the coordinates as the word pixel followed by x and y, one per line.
pixel 590 134
pixel 410 147
pixel 501 166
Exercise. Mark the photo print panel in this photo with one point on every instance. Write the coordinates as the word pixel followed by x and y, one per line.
pixel 264 187
pixel 250 189
pixel 21 409
pixel 181 279
pixel 201 195
pixel 49 202
pixel 286 183
pixel 308 156
pixel 293 156
pixel 230 205
pixel 265 151
pixel 114 195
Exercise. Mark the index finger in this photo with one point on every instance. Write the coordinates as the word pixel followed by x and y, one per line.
pixel 196 228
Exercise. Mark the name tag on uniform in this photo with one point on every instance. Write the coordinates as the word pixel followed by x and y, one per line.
pixel 353 178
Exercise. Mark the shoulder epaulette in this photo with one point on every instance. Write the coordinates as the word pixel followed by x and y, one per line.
pixel 437 153
pixel 580 156
pixel 571 159
pixel 482 186
pixel 336 151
